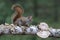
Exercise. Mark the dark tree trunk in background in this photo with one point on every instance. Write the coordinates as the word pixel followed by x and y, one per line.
pixel 56 10
pixel 35 8
pixel 16 1
pixel 4 19
pixel 13 1
pixel 5 15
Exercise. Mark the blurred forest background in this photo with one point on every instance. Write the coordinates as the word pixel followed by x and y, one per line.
pixel 42 11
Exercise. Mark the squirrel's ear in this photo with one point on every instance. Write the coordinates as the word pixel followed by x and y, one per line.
pixel 30 17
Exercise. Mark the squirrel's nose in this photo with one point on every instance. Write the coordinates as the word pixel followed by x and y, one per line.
pixel 24 22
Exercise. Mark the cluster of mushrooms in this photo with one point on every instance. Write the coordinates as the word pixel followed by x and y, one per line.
pixel 42 30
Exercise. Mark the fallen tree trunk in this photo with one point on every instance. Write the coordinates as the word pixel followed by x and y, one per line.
pixel 55 32
pixel 32 30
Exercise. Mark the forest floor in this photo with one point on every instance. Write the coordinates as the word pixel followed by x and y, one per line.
pixel 25 37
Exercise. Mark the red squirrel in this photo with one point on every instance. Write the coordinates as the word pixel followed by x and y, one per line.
pixel 17 17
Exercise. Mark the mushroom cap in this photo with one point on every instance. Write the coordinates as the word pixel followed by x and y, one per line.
pixel 43 34
pixel 43 26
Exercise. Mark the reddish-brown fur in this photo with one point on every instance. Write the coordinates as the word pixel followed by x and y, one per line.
pixel 19 13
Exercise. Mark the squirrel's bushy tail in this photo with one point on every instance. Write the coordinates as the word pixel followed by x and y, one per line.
pixel 17 13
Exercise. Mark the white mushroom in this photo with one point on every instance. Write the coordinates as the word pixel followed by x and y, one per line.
pixel 43 26
pixel 43 34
